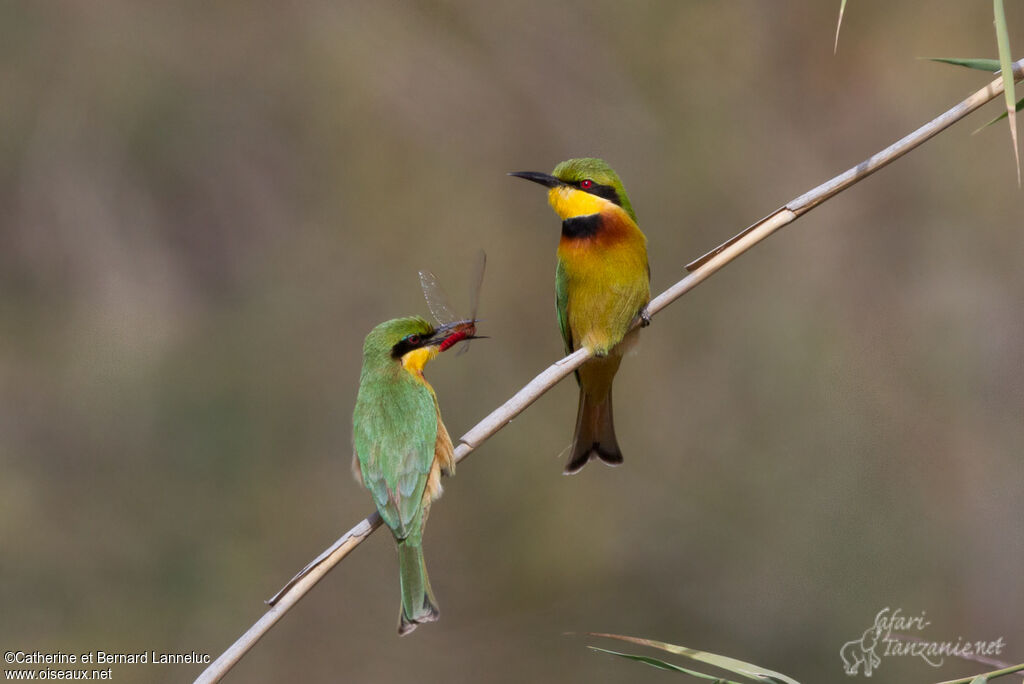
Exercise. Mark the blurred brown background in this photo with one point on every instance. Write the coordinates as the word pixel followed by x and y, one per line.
pixel 207 206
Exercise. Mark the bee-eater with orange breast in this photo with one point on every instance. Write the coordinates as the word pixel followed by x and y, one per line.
pixel 602 283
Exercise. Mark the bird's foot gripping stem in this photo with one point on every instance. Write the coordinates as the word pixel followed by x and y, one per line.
pixel 645 317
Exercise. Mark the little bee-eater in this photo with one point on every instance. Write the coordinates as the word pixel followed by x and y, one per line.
pixel 401 445
pixel 602 283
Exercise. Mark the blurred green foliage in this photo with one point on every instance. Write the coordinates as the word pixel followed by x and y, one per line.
pixel 208 205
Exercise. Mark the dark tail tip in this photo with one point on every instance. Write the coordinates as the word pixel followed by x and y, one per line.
pixel 595 434
pixel 406 624
pixel 611 456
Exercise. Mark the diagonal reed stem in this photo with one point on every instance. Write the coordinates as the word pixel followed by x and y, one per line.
pixel 700 269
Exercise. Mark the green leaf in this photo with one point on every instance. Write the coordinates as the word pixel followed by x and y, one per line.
pixel 662 665
pixel 754 672
pixel 1005 63
pixel 1020 106
pixel 842 8
pixel 989 65
pixel 986 677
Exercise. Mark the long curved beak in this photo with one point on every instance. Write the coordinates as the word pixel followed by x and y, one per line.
pixel 542 178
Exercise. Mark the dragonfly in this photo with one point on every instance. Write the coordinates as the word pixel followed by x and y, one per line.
pixel 438 303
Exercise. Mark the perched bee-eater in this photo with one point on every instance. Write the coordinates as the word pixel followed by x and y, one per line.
pixel 602 283
pixel 402 447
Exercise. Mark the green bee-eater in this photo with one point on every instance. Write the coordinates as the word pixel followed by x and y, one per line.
pixel 602 283
pixel 401 446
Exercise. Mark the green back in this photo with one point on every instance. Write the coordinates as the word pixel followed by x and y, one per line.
pixel 394 429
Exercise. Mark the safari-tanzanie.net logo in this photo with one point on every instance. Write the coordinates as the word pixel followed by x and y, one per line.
pixel 894 634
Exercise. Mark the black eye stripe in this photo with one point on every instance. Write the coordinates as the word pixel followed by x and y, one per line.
pixel 605 191
pixel 405 345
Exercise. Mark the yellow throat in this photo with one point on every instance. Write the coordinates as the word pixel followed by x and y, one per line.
pixel 415 360
pixel 568 202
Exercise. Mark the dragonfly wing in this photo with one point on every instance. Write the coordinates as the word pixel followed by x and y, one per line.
pixel 475 284
pixel 437 299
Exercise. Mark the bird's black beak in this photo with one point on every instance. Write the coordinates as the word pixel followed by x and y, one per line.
pixel 542 178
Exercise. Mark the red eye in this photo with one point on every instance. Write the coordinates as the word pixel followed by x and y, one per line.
pixel 413 339
pixel 586 184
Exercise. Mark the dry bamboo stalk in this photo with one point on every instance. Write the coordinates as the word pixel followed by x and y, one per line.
pixel 700 269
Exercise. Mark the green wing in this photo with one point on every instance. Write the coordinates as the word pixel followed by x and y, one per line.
pixel 562 306
pixel 394 433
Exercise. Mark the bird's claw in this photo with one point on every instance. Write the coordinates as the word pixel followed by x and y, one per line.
pixel 645 317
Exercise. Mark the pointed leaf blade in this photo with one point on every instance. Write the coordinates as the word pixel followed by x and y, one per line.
pixel 1003 42
pixel 981 64
pixel 662 665
pixel 1020 106
pixel 839 24
pixel 754 672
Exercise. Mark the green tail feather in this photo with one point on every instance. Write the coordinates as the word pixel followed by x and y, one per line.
pixel 418 603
